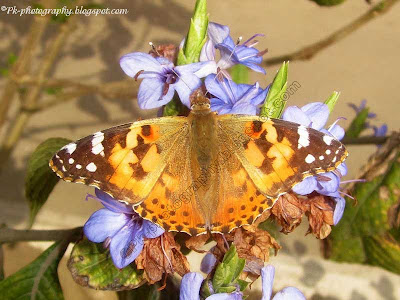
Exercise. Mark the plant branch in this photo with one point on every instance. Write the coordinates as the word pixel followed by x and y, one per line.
pixel 309 51
pixel 22 64
pixel 34 93
pixel 365 140
pixel 9 235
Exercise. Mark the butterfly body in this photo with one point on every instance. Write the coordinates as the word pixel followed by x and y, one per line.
pixel 204 172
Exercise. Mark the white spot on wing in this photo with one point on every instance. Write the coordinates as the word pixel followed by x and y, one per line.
pixel 78 167
pixel 70 148
pixel 98 137
pixel 327 139
pixel 310 159
pixel 328 152
pixel 91 167
pixel 63 169
pixel 304 139
pixel 321 157
pixel 334 159
pixel 71 161
pixel 98 148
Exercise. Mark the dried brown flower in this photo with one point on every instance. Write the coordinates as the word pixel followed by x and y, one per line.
pixel 161 255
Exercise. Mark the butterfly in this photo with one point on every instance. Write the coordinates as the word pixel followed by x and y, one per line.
pixel 200 173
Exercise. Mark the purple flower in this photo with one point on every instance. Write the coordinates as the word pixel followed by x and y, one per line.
pixel 359 108
pixel 207 263
pixel 380 131
pixel 120 228
pixel 161 78
pixel 231 53
pixel 190 289
pixel 315 115
pixel 288 293
pixel 232 98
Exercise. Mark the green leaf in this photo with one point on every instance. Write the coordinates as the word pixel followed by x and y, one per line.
pixel 197 35
pixel 328 2
pixel 331 101
pixel 40 179
pixel 39 279
pixel 53 90
pixel 145 292
pixel 362 235
pixel 228 271
pixel 240 74
pixel 190 52
pixel 91 265
pixel 277 96
pixel 383 252
pixel 12 59
pixel 358 124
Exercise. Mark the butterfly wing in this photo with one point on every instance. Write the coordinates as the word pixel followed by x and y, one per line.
pixel 124 161
pixel 145 163
pixel 264 161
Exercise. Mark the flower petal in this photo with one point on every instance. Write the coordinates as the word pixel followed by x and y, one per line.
pixel 151 230
pixel 127 244
pixel 220 106
pixel 112 204
pixel 217 33
pixel 104 223
pixel 185 86
pixel 134 62
pixel 244 109
pixel 214 87
pixel 190 286
pixel 208 263
pixel 342 168
pixel 267 277
pixel 296 115
pixel 150 93
pixel 226 296
pixel 200 69
pixel 339 209
pixel 327 187
pixel 289 293
pixel 337 131
pixel 208 51
pixel 318 113
pixel 305 187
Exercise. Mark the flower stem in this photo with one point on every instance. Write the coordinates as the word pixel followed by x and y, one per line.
pixel 9 235
pixel 365 140
pixel 309 51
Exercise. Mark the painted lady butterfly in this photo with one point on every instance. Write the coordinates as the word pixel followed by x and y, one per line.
pixel 201 172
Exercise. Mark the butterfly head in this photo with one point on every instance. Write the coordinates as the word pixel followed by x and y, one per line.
pixel 199 102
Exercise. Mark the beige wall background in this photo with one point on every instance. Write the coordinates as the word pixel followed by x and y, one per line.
pixel 363 66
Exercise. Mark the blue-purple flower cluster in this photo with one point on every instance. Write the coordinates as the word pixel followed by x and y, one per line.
pixel 161 78
pixel 191 284
pixel 119 227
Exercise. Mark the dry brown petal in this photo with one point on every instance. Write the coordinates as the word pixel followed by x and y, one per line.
pixel 288 211
pixel 196 243
pixel 161 255
pixel 169 51
pixel 320 211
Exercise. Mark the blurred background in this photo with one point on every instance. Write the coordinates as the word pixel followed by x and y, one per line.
pixel 364 65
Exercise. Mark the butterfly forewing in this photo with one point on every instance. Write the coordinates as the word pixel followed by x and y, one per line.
pixel 124 161
pixel 278 154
